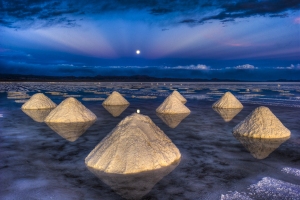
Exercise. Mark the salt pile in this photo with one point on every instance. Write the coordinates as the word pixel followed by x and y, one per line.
pixel 37 115
pixel 135 145
pixel 228 100
pixel 70 131
pixel 172 120
pixel 172 105
pixel 179 96
pixel 39 101
pixel 227 113
pixel 261 123
pixel 235 196
pixel 134 186
pixel 70 110
pixel 293 171
pixel 115 99
pixel 115 110
pixel 261 148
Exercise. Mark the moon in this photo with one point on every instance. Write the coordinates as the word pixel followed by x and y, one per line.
pixel 138 52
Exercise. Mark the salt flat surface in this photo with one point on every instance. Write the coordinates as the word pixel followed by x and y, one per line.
pixel 38 163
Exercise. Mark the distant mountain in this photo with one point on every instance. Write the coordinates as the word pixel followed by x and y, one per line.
pixel 136 78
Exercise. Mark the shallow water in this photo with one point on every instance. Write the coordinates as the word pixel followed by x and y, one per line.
pixel 38 163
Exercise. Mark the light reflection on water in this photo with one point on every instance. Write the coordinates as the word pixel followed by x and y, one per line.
pixel 213 160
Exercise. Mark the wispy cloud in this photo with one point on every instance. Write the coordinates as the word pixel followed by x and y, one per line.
pixel 190 67
pixel 292 66
pixel 246 66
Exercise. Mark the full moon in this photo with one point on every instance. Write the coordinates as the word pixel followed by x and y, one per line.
pixel 138 52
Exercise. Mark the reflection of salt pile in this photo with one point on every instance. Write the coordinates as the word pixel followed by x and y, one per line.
pixel 134 146
pixel 115 99
pixel 261 148
pixel 37 115
pixel 179 96
pixel 227 113
pixel 115 110
pixel 228 100
pixel 172 120
pixel 133 186
pixel 261 123
pixel 39 101
pixel 70 131
pixel 70 110
pixel 172 105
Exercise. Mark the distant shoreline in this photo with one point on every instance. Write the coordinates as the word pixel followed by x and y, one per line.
pixel 137 78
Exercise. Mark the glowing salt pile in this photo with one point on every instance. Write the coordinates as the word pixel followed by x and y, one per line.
pixel 172 105
pixel 261 148
pixel 179 96
pixel 115 110
pixel 70 110
pixel 228 100
pixel 135 145
pixel 39 101
pixel 172 120
pixel 227 113
pixel 261 123
pixel 38 115
pixel 70 131
pixel 115 99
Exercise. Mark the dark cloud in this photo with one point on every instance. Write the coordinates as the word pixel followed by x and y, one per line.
pixel 65 13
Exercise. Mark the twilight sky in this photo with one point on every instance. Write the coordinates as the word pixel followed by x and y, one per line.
pixel 234 39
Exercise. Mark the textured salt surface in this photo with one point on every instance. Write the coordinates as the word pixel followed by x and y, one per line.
pixel 261 123
pixel 172 105
pixel 179 96
pixel 70 110
pixel 134 146
pixel 293 171
pixel 228 100
pixel 235 196
pixel 115 99
pixel 38 101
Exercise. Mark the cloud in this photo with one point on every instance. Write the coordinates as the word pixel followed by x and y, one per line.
pixel 297 66
pixel 246 66
pixel 37 13
pixel 190 67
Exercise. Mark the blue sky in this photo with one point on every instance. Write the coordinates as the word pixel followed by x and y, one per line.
pixel 244 39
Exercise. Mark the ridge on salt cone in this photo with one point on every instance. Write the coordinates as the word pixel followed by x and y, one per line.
pixel 172 105
pixel 261 148
pixel 227 113
pixel 135 145
pixel 179 96
pixel 39 101
pixel 115 99
pixel 228 100
pixel 261 123
pixel 70 110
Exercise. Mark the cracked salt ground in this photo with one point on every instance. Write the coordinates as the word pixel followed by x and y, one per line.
pixel 37 163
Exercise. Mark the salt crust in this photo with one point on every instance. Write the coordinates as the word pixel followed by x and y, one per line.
pixel 179 96
pixel 261 123
pixel 115 99
pixel 39 101
pixel 172 105
pixel 70 110
pixel 135 145
pixel 228 100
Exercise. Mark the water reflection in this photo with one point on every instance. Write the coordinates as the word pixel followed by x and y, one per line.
pixel 37 115
pixel 228 113
pixel 115 110
pixel 70 131
pixel 172 120
pixel 261 148
pixel 133 186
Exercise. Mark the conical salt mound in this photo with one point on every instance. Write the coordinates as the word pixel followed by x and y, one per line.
pixel 227 113
pixel 228 100
pixel 172 120
pixel 261 123
pixel 37 115
pixel 135 145
pixel 134 186
pixel 70 110
pixel 261 148
pixel 115 99
pixel 39 101
pixel 179 96
pixel 172 105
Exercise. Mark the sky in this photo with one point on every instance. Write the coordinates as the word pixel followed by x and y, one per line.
pixel 232 39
